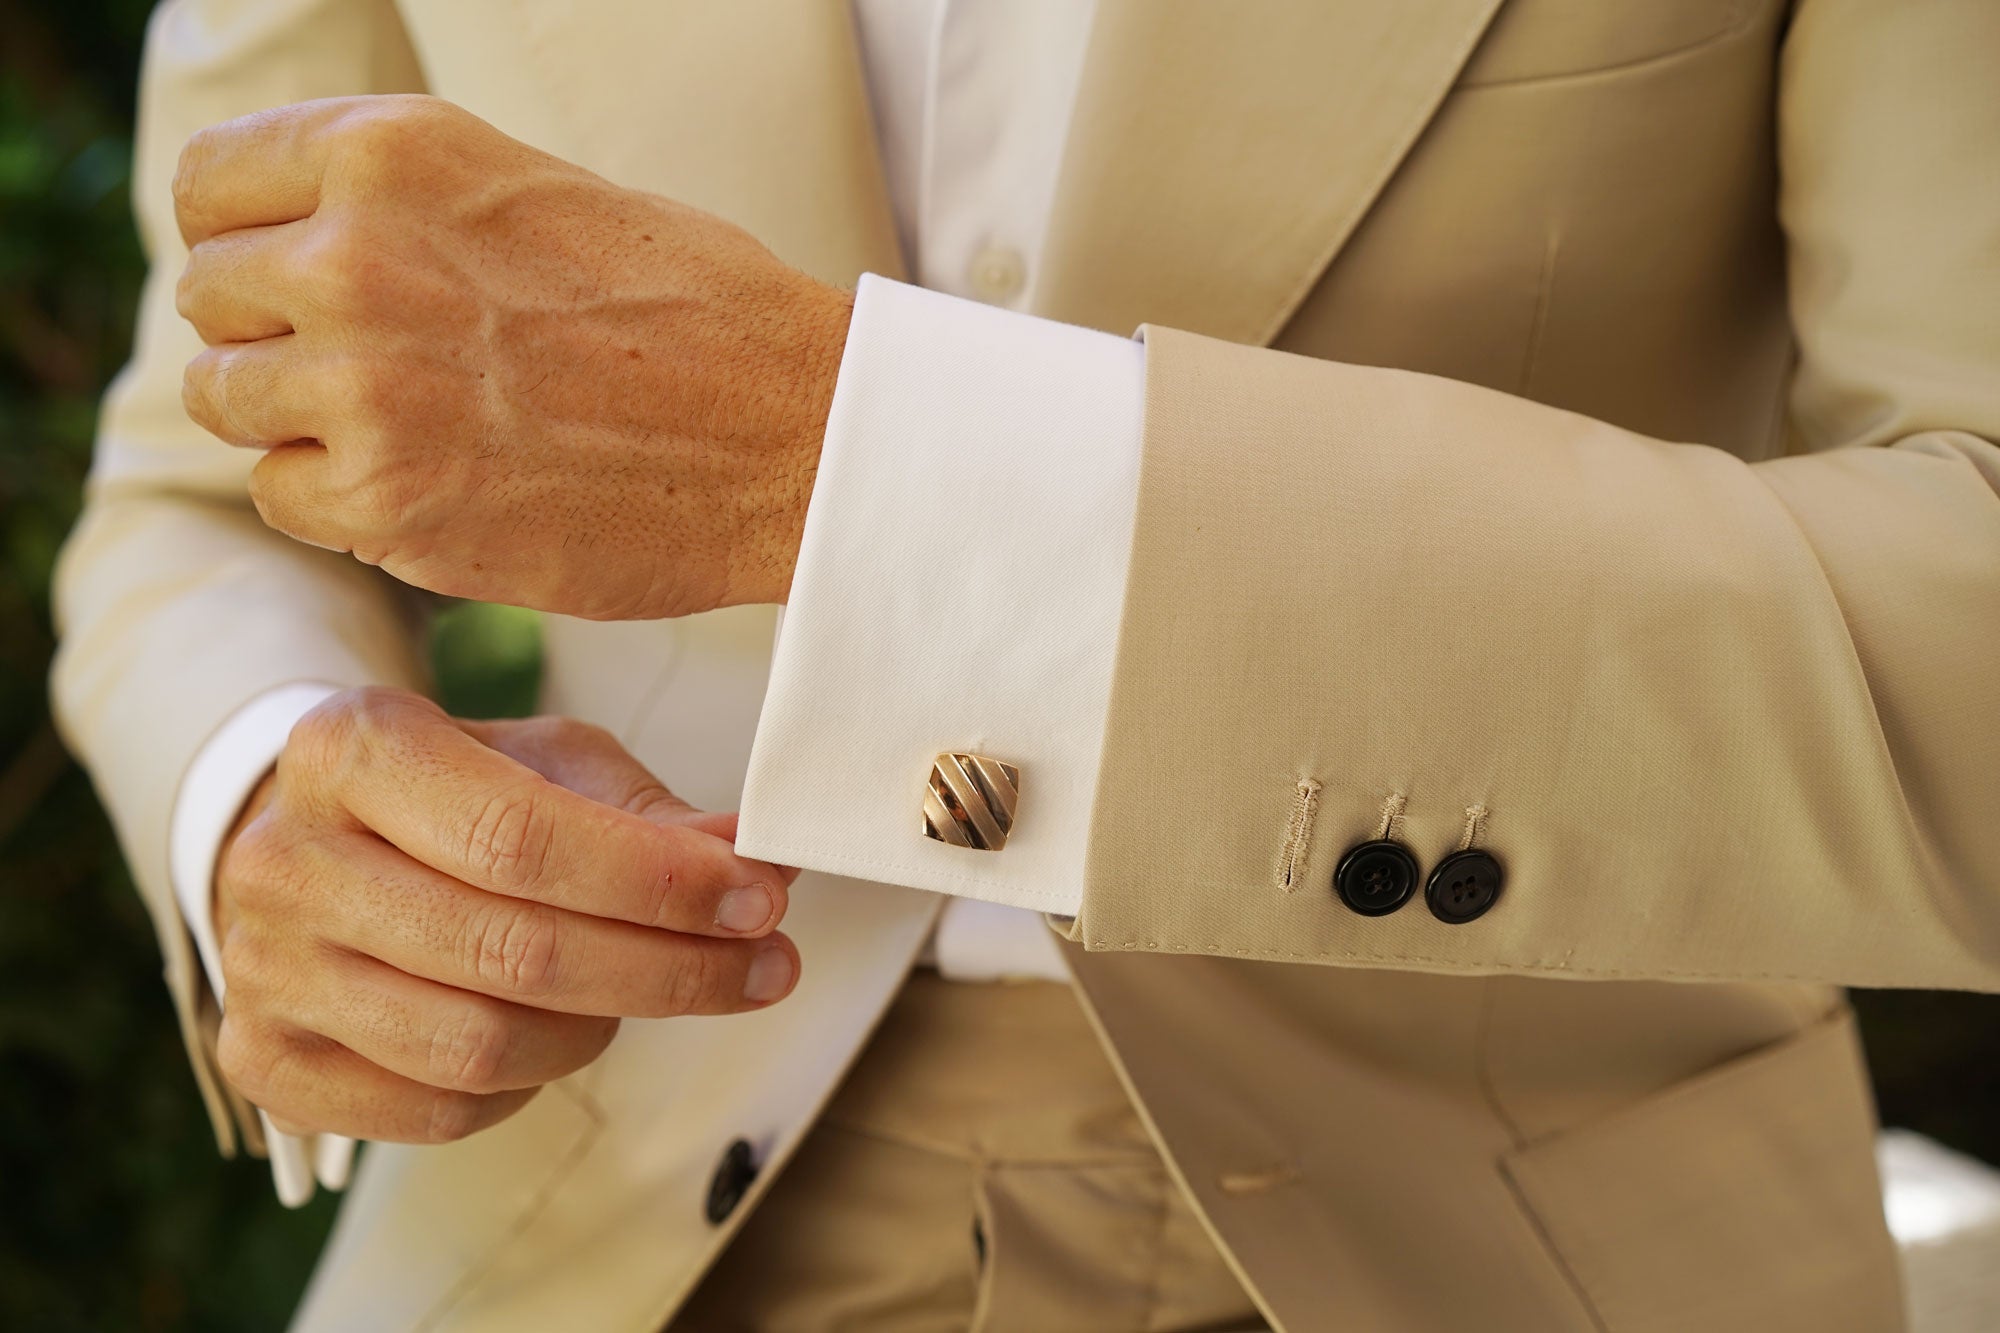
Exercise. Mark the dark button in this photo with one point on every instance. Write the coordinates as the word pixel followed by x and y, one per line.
pixel 731 1181
pixel 1463 886
pixel 1375 878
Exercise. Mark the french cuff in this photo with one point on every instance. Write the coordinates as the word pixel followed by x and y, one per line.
pixel 958 592
pixel 224 772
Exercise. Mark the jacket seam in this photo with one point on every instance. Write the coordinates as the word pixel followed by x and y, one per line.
pixel 1742 15
pixel 1456 965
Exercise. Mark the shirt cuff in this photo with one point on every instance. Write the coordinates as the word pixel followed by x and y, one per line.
pixel 958 589
pixel 225 771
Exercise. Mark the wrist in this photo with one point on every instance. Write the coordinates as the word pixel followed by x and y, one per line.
pixel 775 500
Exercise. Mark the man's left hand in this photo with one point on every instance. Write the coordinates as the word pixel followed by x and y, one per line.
pixel 495 374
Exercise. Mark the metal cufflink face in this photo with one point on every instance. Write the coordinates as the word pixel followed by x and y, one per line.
pixel 970 801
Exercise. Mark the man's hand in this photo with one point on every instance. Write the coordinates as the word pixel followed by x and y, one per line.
pixel 495 374
pixel 423 920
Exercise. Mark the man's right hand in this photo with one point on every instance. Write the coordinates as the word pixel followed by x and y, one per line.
pixel 423 920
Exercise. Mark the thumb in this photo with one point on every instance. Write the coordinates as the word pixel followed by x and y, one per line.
pixel 722 824
pixel 716 823
pixel 589 761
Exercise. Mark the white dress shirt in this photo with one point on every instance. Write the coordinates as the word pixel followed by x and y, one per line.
pixel 956 427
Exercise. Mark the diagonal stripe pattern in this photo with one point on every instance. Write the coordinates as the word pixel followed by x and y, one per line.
pixel 970 801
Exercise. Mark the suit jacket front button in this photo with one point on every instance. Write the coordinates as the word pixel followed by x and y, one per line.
pixel 731 1181
pixel 1375 878
pixel 1464 885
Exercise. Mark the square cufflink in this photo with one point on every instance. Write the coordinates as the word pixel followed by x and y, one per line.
pixel 970 801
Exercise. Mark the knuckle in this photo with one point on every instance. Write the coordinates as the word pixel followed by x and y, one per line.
pixel 416 110
pixel 201 390
pixel 255 866
pixel 519 951
pixel 692 984
pixel 194 155
pixel 250 1055
pixel 318 739
pixel 577 733
pixel 268 497
pixel 380 711
pixel 509 841
pixel 379 135
pixel 343 269
pixel 469 1052
pixel 389 496
pixel 191 392
pixel 225 370
pixel 232 379
pixel 246 960
pixel 324 743
pixel 451 1116
pixel 555 731
pixel 650 799
pixel 326 257
pixel 186 285
pixel 338 736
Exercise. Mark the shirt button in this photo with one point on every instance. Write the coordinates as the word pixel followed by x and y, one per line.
pixel 1463 886
pixel 998 274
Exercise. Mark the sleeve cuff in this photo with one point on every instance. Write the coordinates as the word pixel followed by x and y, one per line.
pixel 959 588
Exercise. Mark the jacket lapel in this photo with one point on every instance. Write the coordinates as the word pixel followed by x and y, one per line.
pixel 1220 155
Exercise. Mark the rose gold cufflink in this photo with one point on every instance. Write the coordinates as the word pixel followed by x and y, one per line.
pixel 970 801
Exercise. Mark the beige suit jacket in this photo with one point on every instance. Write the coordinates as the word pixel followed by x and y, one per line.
pixel 1725 703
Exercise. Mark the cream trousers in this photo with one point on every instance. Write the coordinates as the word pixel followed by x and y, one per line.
pixel 981 1168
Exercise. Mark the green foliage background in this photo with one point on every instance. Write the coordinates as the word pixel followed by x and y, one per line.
pixel 114 1212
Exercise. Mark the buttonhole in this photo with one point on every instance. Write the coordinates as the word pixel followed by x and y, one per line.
pixel 1257 1181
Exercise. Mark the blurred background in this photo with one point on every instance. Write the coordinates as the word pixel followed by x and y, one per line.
pixel 114 1211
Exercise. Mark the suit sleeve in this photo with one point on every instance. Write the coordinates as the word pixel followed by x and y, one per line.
pixel 177 605
pixel 1711 719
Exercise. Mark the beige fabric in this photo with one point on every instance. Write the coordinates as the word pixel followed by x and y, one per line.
pixel 980 1168
pixel 1725 706
pixel 1400 1151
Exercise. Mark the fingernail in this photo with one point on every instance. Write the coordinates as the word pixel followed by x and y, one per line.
pixel 770 975
pixel 744 910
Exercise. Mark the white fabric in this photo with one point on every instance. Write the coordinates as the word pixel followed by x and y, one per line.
pixel 1930 1192
pixel 1943 1209
pixel 972 103
pixel 958 588
pixel 978 941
